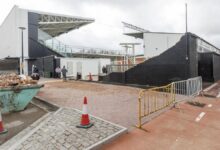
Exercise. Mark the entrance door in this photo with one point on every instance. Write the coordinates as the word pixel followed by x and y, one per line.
pixel 79 70
pixel 70 68
pixel 205 67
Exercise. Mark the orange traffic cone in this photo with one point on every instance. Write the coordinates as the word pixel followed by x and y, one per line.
pixel 2 130
pixel 90 77
pixel 85 122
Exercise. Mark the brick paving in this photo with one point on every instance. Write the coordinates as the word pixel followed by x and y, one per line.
pixel 59 132
pixel 176 129
pixel 15 122
pixel 213 91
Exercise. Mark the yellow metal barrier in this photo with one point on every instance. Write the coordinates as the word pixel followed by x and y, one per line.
pixel 154 99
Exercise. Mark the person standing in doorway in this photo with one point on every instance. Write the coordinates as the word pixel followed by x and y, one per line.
pixel 58 72
pixel 64 71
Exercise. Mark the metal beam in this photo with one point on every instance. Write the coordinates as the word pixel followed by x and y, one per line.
pixel 133 27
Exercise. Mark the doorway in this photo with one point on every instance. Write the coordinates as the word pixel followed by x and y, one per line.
pixel 79 70
pixel 205 66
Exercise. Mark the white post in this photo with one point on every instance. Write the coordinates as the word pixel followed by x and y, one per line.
pixel 133 53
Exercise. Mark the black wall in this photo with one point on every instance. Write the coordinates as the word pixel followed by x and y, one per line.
pixel 118 77
pixel 36 49
pixel 209 66
pixel 193 56
pixel 205 66
pixel 46 65
pixel 216 67
pixel 10 65
pixel 169 66
pixel 40 55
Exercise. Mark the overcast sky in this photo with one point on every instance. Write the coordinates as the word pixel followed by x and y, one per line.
pixel 107 30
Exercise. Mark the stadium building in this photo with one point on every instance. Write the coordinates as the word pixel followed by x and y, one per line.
pixel 171 57
pixel 28 38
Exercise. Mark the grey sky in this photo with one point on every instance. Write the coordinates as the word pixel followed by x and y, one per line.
pixel 154 15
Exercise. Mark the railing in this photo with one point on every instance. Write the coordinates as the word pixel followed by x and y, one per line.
pixel 187 88
pixel 118 68
pixel 65 49
pixel 155 99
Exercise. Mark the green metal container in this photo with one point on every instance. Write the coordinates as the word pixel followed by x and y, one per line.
pixel 16 98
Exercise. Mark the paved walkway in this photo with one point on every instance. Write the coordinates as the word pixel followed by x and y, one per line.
pixel 185 128
pixel 58 132
pixel 178 129
pixel 15 122
pixel 213 90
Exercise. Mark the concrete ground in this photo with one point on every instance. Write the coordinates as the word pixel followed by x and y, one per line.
pixel 15 122
pixel 186 127
pixel 117 104
pixel 177 129
pixel 213 90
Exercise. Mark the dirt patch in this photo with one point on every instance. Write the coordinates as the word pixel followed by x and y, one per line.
pixel 77 85
pixel 116 103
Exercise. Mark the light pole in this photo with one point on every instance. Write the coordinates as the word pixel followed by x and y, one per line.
pixel 22 50
pixel 187 53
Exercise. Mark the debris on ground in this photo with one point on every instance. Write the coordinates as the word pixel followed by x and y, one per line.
pixel 12 79
pixel 196 103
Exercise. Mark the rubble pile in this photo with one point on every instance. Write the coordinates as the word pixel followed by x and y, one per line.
pixel 12 79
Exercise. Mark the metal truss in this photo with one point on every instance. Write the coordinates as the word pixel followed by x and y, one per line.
pixel 57 25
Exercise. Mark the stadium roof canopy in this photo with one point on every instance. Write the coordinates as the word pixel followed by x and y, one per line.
pixel 139 35
pixel 57 24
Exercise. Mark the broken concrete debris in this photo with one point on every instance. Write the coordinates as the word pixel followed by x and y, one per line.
pixel 12 79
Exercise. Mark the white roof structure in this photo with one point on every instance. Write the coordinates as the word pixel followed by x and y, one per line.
pixel 43 26
pixel 57 24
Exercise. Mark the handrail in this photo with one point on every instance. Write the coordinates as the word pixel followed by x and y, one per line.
pixel 60 47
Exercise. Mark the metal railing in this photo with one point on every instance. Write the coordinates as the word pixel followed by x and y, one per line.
pixel 118 68
pixel 62 48
pixel 187 88
pixel 152 100
pixel 155 99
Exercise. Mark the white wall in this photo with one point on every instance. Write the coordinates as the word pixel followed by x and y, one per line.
pixel 157 43
pixel 10 34
pixel 93 66
pixel 204 47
